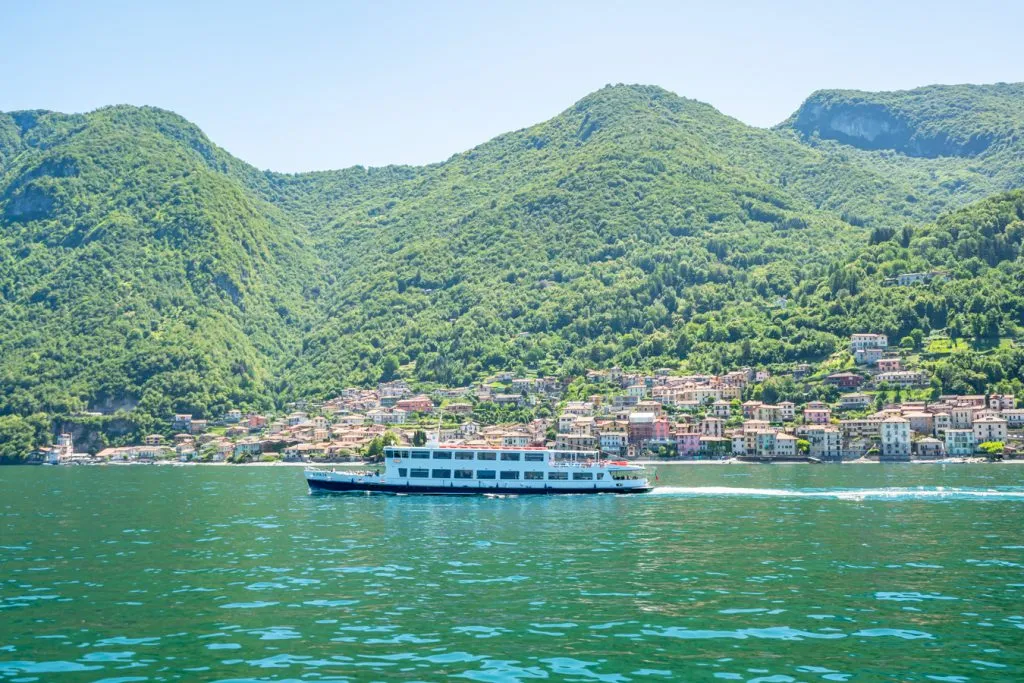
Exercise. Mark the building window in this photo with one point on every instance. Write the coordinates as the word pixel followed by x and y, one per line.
pixel 534 457
pixel 442 455
pixel 533 475
pixel 463 474
pixel 421 455
pixel 558 476
pixel 417 473
pixel 510 456
pixel 485 474
pixel 582 475
pixel 463 455
pixel 509 475
pixel 403 472
pixel 441 474
pixel 486 456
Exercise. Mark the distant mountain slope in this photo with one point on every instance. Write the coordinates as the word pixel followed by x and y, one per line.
pixel 946 145
pixel 938 120
pixel 635 227
pixel 134 269
pixel 624 215
pixel 142 266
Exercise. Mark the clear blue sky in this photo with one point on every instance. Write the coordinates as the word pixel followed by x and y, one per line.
pixel 317 85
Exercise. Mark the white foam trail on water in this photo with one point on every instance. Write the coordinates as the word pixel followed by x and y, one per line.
pixel 894 493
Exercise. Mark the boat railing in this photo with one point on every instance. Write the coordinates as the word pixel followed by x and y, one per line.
pixel 587 463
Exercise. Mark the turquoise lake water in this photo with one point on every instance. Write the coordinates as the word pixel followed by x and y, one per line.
pixel 724 573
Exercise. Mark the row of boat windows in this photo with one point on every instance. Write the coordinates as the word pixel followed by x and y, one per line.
pixel 424 473
pixel 469 455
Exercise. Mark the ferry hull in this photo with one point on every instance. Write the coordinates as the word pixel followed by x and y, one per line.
pixel 333 486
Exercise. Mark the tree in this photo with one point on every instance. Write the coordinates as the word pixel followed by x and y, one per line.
pixel 419 437
pixel 16 435
pixel 375 449
pixel 991 448
pixel 388 368
pixel 803 446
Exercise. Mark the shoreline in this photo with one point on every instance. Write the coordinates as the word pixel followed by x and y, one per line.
pixel 646 463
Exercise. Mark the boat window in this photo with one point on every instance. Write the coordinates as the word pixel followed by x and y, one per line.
pixel 582 475
pixel 463 474
pixel 421 455
pixel 419 473
pixel 600 475
pixel 442 455
pixel 485 474
pixel 533 475
pixel 441 474
pixel 486 456
pixel 510 456
pixel 403 472
pixel 534 457
pixel 559 476
pixel 463 455
pixel 510 474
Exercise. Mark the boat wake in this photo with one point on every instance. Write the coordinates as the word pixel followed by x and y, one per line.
pixel 894 493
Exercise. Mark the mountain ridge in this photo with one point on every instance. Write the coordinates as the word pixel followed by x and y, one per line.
pixel 929 121
pixel 143 266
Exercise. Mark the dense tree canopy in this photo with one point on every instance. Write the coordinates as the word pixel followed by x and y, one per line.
pixel 143 269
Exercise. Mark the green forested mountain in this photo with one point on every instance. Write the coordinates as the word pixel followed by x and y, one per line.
pixel 137 269
pixel 143 267
pixel 938 120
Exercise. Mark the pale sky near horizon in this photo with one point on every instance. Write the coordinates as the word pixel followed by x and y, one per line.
pixel 318 85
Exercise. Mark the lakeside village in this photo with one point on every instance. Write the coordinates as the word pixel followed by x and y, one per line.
pixel 659 416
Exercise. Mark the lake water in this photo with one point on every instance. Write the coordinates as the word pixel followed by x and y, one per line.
pixel 725 573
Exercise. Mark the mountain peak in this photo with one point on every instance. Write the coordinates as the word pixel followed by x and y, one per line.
pixel 932 121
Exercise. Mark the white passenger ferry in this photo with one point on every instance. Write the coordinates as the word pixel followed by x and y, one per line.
pixel 465 470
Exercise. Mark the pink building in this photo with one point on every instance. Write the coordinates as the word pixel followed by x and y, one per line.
pixel 889 364
pixel 645 426
pixel 817 416
pixel 687 444
pixel 416 404
pixel 662 429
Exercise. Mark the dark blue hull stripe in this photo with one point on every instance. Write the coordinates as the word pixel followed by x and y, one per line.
pixel 317 485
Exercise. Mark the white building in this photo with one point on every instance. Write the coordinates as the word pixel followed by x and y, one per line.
pixel 895 433
pixel 903 378
pixel 904 279
pixel 712 426
pixel 515 440
pixel 960 442
pixel 854 401
pixel 785 445
pixel 825 442
pixel 868 356
pixel 868 341
pixel 614 442
pixel 1014 417
pixel 989 428
pixel 723 409
pixel 580 408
